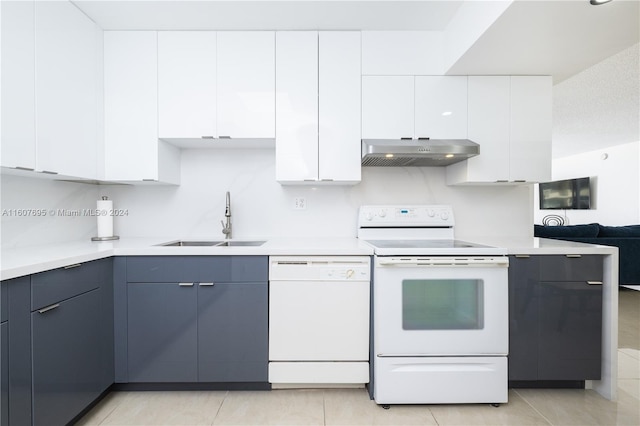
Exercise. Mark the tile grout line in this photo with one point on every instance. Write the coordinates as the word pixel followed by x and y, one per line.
pixel 111 411
pixel 219 408
pixel 534 408
pixel 433 416
pixel 324 407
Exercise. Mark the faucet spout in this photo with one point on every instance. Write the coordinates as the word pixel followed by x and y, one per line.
pixel 226 226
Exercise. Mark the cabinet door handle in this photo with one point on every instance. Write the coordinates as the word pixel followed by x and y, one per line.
pixel 224 137
pixel 185 284
pixel 48 308
pixel 76 265
pixel 48 172
pixel 575 256
pixel 522 256
pixel 594 282
pixel 207 137
pixel 206 284
pixel 24 168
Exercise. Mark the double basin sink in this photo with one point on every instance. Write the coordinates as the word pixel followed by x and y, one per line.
pixel 225 243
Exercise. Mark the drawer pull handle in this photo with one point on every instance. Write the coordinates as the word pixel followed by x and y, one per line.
pixel 48 308
pixel 522 256
pixel 185 284
pixel 76 265
pixel 207 284
pixel 574 255
pixel 594 282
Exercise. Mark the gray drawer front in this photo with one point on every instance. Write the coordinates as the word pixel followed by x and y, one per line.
pixel 63 283
pixel 197 268
pixel 568 268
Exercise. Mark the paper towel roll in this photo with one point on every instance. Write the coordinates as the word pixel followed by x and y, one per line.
pixel 105 218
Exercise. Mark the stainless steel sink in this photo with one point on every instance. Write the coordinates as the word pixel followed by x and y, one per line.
pixel 232 243
pixel 190 243
pixel 228 243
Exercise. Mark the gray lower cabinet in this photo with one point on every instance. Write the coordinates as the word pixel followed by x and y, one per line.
pixel 233 332
pixel 193 319
pixel 67 353
pixel 162 332
pixel 555 318
pixel 71 339
pixel 4 375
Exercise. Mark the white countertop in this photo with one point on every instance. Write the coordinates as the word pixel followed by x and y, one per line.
pixel 30 260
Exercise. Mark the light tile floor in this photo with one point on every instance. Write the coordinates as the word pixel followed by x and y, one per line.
pixel 352 407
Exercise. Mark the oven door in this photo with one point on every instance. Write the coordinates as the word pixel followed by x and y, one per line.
pixel 440 306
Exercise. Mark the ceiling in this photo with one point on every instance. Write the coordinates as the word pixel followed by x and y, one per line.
pixel 559 38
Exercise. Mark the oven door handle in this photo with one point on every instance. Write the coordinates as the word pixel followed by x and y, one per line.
pixel 444 261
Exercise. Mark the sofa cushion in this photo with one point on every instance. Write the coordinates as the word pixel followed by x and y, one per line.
pixel 584 231
pixel 619 231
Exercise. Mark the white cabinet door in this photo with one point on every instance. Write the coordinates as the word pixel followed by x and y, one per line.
pixel 18 89
pixel 246 84
pixel 339 106
pixel 510 117
pixel 186 84
pixel 132 149
pixel 67 84
pixel 296 106
pixel 441 107
pixel 387 107
pixel 488 125
pixel 531 106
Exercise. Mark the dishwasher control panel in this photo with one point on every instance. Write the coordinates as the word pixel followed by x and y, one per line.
pixel 319 268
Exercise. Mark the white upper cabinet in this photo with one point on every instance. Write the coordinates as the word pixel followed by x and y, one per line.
pixel 18 85
pixel 296 106
pixel 441 107
pixel 339 106
pixel 318 107
pixel 510 117
pixel 531 127
pixel 67 85
pixel 186 84
pixel 132 149
pixel 402 53
pixel 387 107
pixel 246 84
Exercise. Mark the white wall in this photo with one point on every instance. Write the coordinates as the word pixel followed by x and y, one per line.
pixel 262 208
pixel 615 185
pixel 20 228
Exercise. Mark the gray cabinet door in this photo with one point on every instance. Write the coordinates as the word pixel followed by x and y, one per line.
pixel 4 375
pixel 524 273
pixel 162 333
pixel 66 353
pixel 570 331
pixel 233 332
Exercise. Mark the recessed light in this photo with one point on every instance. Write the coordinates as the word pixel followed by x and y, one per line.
pixel 449 156
pixel 389 155
pixel 446 113
pixel 597 2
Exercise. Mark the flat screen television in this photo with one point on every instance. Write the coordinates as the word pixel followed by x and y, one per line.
pixel 569 194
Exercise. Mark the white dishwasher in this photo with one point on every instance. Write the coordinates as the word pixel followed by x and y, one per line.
pixel 319 320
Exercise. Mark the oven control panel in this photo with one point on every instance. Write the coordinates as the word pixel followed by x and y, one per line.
pixel 410 216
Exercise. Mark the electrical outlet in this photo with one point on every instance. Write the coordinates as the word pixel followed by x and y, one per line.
pixel 299 203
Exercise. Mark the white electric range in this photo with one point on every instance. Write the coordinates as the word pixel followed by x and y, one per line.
pixel 440 309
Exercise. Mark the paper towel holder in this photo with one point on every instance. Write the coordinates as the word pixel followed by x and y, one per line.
pixel 110 238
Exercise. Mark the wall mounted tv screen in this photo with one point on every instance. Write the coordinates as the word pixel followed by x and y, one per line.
pixel 567 194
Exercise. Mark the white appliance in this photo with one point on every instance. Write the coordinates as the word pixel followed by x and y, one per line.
pixel 319 310
pixel 440 309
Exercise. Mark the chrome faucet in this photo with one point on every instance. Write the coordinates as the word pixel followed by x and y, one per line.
pixel 226 227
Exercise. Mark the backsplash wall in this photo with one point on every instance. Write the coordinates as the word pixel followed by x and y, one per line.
pixel 261 207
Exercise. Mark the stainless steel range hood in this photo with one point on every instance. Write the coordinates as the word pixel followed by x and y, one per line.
pixel 416 152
